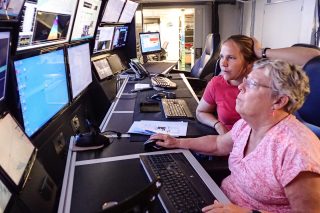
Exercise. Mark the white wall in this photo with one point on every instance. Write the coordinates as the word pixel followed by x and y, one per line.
pixel 229 20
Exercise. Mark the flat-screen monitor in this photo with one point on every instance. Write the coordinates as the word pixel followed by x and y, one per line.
pixel 79 67
pixel 150 43
pixel 5 196
pixel 103 39
pixel 112 11
pixel 10 9
pixel 128 12
pixel 4 54
pixel 42 87
pixel 17 154
pixel 120 36
pixel 45 22
pixel 103 68
pixel 86 19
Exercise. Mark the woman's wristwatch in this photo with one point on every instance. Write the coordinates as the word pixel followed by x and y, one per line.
pixel 264 52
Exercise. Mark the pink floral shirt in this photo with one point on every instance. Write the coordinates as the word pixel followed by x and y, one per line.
pixel 257 180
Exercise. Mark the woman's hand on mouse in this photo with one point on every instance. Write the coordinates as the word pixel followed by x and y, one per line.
pixel 166 141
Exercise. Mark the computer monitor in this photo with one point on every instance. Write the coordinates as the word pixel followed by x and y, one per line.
pixel 128 12
pixel 5 196
pixel 79 67
pixel 86 19
pixel 150 43
pixel 103 39
pixel 103 68
pixel 120 37
pixel 112 11
pixel 42 86
pixel 17 154
pixel 45 22
pixel 4 55
pixel 10 9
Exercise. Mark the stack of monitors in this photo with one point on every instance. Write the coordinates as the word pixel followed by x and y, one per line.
pixel 79 68
pixel 86 19
pixel 17 154
pixel 150 43
pixel 42 86
pixel 4 55
pixel 119 11
pixel 10 9
pixel 45 22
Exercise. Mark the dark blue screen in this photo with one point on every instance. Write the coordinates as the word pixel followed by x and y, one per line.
pixel 42 86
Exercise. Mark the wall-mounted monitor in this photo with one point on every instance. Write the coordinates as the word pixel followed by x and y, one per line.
pixel 5 196
pixel 120 37
pixel 150 42
pixel 4 55
pixel 79 67
pixel 128 12
pixel 86 19
pixel 17 154
pixel 10 9
pixel 45 22
pixel 103 39
pixel 112 11
pixel 42 86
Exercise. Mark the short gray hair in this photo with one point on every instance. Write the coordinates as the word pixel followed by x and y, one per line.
pixel 286 80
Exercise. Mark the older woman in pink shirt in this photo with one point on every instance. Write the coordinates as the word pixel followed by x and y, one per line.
pixel 274 159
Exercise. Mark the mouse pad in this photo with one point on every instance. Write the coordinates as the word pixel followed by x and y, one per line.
pixel 149 107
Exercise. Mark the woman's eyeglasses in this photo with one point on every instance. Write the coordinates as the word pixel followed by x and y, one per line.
pixel 251 84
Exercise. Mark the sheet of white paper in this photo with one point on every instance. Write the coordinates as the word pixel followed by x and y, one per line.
pixel 174 128
pixel 141 86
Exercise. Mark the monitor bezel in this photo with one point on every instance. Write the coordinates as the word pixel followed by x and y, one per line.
pixel 12 186
pixel 150 52
pixel 114 32
pixel 74 20
pixel 12 18
pixel 35 52
pixel 74 44
pixel 3 101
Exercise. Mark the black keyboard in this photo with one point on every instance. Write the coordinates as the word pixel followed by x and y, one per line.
pixel 163 82
pixel 176 108
pixel 183 190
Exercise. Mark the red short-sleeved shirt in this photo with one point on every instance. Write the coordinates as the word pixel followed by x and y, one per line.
pixel 223 95
pixel 257 181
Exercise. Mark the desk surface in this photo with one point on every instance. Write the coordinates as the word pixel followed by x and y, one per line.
pixel 114 173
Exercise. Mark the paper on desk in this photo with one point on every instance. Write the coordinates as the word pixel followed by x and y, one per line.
pixel 174 128
pixel 141 86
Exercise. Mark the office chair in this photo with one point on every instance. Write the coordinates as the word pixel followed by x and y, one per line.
pixel 309 113
pixel 203 66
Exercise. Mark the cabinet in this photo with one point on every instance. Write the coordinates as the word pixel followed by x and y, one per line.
pixel 186 39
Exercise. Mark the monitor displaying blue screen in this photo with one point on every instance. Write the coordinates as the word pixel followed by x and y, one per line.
pixel 120 36
pixel 80 68
pixel 4 53
pixel 42 86
pixel 150 42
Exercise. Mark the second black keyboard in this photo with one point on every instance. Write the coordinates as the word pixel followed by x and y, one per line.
pixel 183 190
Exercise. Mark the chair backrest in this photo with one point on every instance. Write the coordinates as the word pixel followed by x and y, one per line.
pixel 310 111
pixel 205 64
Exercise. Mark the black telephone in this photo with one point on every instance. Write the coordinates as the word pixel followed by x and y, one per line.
pixel 138 69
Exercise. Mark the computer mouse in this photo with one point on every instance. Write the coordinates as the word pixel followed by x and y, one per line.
pixel 158 96
pixel 150 145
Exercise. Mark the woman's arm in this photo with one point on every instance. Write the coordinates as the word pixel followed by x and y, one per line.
pixel 303 192
pixel 294 55
pixel 219 145
pixel 205 115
